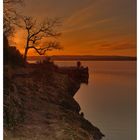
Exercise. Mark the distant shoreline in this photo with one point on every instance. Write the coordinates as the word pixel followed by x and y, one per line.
pixel 84 58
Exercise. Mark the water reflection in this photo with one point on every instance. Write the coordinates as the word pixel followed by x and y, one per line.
pixel 109 99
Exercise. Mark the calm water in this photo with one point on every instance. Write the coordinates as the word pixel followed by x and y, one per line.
pixel 109 100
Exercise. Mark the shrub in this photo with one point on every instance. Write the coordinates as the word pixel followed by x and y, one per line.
pixel 12 56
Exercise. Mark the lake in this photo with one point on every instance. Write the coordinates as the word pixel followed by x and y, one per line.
pixel 109 100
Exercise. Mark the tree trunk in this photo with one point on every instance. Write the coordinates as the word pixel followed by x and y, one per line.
pixel 26 51
pixel 25 54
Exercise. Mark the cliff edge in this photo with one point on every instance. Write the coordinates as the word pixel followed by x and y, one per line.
pixel 39 105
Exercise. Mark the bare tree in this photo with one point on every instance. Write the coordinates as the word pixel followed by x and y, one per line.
pixel 37 32
pixel 10 15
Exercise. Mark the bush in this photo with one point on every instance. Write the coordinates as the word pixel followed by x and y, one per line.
pixel 12 56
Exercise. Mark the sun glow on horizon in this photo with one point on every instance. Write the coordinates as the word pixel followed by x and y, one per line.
pixel 88 30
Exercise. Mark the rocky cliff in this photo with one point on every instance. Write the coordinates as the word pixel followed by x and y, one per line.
pixel 39 105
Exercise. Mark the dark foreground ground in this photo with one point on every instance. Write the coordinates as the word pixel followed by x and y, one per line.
pixel 39 104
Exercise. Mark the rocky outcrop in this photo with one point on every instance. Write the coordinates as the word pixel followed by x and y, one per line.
pixel 39 105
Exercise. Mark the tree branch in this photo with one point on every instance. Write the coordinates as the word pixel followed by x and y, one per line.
pixel 37 32
pixel 10 15
pixel 49 47
pixel 38 50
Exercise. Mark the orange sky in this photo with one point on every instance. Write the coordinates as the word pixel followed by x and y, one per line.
pixel 90 27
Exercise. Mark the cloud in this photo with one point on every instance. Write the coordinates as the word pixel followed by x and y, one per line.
pixel 122 46
pixel 92 25
pixel 80 16
pixel 88 17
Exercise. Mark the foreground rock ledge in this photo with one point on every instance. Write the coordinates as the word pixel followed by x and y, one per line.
pixel 39 105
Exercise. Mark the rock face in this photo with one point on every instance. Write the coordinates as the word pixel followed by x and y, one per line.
pixel 39 105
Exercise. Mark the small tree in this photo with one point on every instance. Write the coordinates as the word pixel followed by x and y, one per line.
pixel 10 15
pixel 37 32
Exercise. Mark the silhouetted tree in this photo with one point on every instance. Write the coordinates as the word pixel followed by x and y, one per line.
pixel 10 15
pixel 12 56
pixel 37 32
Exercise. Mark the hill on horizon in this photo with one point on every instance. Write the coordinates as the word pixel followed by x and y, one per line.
pixel 83 58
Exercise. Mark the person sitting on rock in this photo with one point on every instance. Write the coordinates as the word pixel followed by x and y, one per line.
pixel 78 64
pixel 82 114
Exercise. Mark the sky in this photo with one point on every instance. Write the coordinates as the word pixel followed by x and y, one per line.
pixel 89 27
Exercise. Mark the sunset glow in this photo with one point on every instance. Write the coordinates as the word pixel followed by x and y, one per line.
pixel 70 69
pixel 89 27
